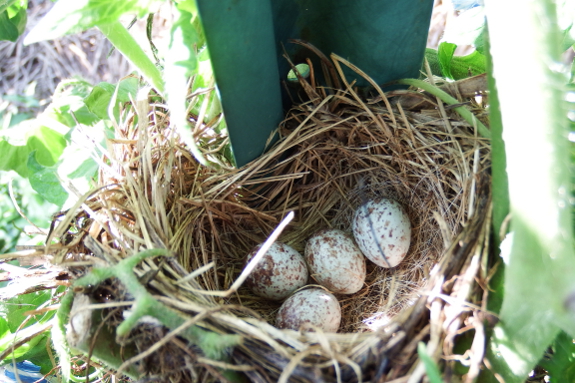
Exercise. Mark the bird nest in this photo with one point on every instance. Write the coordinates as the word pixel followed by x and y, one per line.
pixel 158 252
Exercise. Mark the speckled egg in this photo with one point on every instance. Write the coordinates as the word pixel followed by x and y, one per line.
pixel 335 261
pixel 382 231
pixel 281 271
pixel 310 308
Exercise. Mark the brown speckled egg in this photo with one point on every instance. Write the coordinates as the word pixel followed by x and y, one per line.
pixel 310 308
pixel 281 271
pixel 382 222
pixel 335 261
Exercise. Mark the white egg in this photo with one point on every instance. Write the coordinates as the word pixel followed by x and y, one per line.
pixel 310 308
pixel 280 272
pixel 382 231
pixel 335 261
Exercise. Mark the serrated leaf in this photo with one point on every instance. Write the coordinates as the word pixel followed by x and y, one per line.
pixel 99 98
pixel 45 181
pixel 71 16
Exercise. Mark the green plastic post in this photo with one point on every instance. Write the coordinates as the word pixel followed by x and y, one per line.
pixel 240 37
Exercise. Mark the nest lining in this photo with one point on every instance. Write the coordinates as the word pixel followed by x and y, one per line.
pixel 334 152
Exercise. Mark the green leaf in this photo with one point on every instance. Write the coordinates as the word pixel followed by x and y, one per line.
pixel 459 67
pixel 561 363
pixel 430 366
pixel 539 273
pixel 12 27
pixel 39 356
pixel 500 186
pixel 71 16
pixel 45 181
pixel 4 328
pixel 181 63
pixel 87 169
pixel 47 143
pixel 189 6
pixel 466 66
pixel 99 98
pixel 431 56
pixel 7 341
pixel 15 308
pixel 125 43
pixel 445 53
pixel 184 44
pixel 4 4
pixel 67 107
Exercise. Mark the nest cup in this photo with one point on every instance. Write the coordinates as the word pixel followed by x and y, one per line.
pixel 335 151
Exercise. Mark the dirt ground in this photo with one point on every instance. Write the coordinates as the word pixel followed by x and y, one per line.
pixel 37 69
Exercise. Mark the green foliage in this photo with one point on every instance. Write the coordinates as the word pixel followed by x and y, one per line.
pixel 12 19
pixel 540 260
pixel 560 363
pixel 14 310
pixel 11 223
pixel 100 97
pixel 44 179
pixel 466 29
pixel 125 43
pixel 433 373
pixel 17 143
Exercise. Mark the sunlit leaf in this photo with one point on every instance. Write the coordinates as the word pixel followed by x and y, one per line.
pixel 431 367
pixel 539 273
pixel 560 364
pixel 47 143
pixel 12 27
pixel 101 95
pixel 445 53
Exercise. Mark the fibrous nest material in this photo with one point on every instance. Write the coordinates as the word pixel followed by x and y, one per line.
pixel 335 150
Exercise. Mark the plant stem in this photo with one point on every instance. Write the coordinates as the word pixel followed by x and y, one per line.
pixel 125 43
pixel 466 114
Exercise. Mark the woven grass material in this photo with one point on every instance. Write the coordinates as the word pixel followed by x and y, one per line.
pixel 335 151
